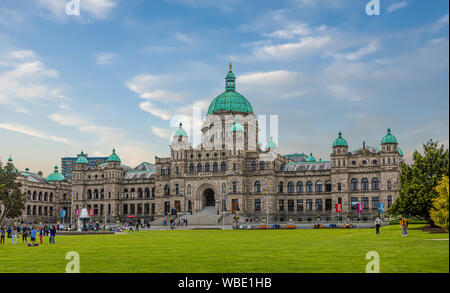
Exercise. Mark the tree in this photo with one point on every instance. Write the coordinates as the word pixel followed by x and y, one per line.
pixel 419 180
pixel 439 212
pixel 12 200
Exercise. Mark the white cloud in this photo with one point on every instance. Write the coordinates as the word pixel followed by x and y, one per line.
pixel 152 109
pixel 69 119
pixel 184 38
pixel 372 47
pixel 306 45
pixel 279 77
pixel 161 132
pixel 397 5
pixel 24 78
pixel 105 58
pixel 32 132
pixel 293 30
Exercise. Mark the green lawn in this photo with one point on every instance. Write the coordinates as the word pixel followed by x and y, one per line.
pixel 279 251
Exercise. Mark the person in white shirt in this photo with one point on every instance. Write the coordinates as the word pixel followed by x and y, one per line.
pixel 378 223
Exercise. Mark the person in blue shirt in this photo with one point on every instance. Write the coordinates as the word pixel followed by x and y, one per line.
pixel 52 234
pixel 33 235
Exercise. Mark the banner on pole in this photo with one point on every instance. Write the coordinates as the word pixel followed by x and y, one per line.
pixel 381 207
pixel 338 207
pixel 63 213
pixel 91 212
pixel 77 213
pixel 359 207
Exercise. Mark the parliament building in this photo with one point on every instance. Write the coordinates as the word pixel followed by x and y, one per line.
pixel 230 173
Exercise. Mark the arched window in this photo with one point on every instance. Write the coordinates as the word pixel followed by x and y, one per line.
pixel 375 183
pixel 253 166
pixel 153 191
pixel 354 184
pixel 319 186
pixel 207 167
pixel 223 167
pixel 257 187
pixel 132 192
pixel 45 196
pixel 147 192
pixel 309 186
pixel 328 186
pixel 140 194
pixel 167 190
pixel 280 187
pixel 188 190
pixel 191 168
pixel 96 193
pixel 199 167
pixel 215 167
pixel 169 171
pixel 89 194
pixel 51 196
pixel 290 187
pixel 262 165
pixel 163 170
pixel 364 184
pixel 125 193
pixel 34 195
pixel 299 187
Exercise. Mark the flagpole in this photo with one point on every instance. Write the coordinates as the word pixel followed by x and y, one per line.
pixel 267 207
pixel 105 209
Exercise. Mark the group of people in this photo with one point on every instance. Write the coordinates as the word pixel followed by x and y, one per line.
pixel 173 223
pixel 25 231
pixel 403 225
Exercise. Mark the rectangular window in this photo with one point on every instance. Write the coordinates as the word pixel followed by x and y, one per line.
pixel 354 202
pixel 309 204
pixel 281 205
pixel 153 208
pixel 339 186
pixel 234 166
pixel 389 201
pixel 290 205
pixel 389 185
pixel 300 205
pixel 257 205
pixel 177 189
pixel 365 202
pixel 234 186
pixel 375 201
pixel 318 204
pixel 328 204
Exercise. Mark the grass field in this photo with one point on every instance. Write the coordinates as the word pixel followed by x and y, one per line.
pixel 276 251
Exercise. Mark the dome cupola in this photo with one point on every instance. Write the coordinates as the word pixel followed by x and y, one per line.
pixel 237 127
pixel 81 159
pixel 311 159
pixel 113 157
pixel 389 138
pixel 230 100
pixel 340 142
pixel 180 131
pixel 55 176
pixel 271 145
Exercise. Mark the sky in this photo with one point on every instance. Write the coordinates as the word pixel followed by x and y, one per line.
pixel 115 75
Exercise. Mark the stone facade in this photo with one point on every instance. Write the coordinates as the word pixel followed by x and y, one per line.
pixel 230 171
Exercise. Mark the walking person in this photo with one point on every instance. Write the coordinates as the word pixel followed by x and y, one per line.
pixel 2 235
pixel 378 223
pixel 14 235
pixel 8 230
pixel 402 225
pixel 41 234
pixel 33 235
pixel 405 224
pixel 24 235
pixel 52 234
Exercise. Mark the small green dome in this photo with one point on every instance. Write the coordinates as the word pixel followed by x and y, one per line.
pixel 113 157
pixel 271 145
pixel 55 176
pixel 10 159
pixel 311 158
pixel 340 141
pixel 237 127
pixel 81 159
pixel 180 131
pixel 230 100
pixel 389 138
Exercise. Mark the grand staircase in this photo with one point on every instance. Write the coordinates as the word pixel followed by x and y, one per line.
pixel 208 216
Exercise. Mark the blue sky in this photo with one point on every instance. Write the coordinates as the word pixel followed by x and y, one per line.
pixel 114 75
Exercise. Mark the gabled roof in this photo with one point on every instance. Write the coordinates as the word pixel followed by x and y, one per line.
pixel 145 166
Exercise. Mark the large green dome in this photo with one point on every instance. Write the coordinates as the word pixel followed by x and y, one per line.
pixel 230 100
pixel 55 176
pixel 389 138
